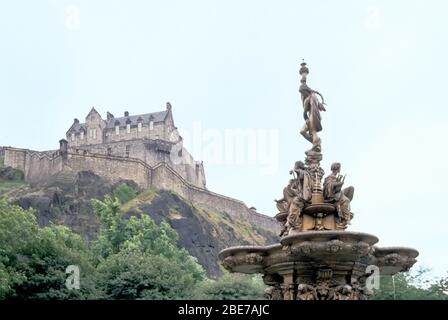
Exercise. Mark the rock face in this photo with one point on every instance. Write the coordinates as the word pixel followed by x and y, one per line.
pixel 202 232
pixel 65 199
pixel 10 174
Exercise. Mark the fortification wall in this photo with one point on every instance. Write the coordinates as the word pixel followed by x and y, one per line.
pixel 2 156
pixel 113 168
pixel 35 165
pixel 38 165
pixel 165 177
pixel 141 149
pixel 15 158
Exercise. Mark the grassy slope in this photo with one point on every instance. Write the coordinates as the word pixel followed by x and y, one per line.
pixel 6 186
pixel 241 228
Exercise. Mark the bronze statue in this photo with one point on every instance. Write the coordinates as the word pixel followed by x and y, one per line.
pixel 311 111
pixel 333 193
pixel 302 190
pixel 306 292
pixel 295 195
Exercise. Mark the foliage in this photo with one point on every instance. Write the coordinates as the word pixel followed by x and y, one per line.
pixel 6 186
pixel 232 287
pixel 132 274
pixel 33 260
pixel 124 193
pixel 140 259
pixel 411 286
pixel 134 258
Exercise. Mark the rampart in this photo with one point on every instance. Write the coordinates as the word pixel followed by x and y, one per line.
pixel 39 165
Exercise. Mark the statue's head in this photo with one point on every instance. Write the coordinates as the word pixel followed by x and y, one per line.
pixel 299 165
pixel 336 167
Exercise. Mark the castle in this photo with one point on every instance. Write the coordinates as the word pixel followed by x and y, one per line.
pixel 150 137
pixel 146 149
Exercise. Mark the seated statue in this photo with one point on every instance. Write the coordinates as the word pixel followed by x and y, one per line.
pixel 333 193
pixel 288 195
pixel 295 195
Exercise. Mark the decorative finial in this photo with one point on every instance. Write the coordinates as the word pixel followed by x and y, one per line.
pixel 168 106
pixel 304 71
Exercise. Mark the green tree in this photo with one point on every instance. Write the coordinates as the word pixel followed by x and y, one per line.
pixel 33 260
pixel 414 285
pixel 139 259
pixel 124 193
pixel 232 287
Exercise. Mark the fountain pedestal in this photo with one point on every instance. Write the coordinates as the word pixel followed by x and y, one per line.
pixel 319 265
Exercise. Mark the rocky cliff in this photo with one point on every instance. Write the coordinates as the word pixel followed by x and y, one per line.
pixel 64 198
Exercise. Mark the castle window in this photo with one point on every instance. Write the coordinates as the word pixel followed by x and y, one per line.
pixel 151 125
pixel 139 127
pixel 117 130
pixel 73 137
pixel 82 135
pixel 128 128
pixel 109 151
pixel 128 149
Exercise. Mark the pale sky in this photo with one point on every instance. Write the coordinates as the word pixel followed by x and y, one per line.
pixel 233 65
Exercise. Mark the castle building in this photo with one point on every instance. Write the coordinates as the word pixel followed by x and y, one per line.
pixel 151 137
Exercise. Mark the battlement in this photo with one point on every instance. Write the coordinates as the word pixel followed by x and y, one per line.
pixel 41 165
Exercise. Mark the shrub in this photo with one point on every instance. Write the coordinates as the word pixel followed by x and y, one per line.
pixel 124 193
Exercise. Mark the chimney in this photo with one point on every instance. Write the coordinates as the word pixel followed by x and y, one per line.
pixel 126 114
pixel 76 120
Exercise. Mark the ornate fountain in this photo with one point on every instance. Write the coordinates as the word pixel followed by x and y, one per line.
pixel 316 258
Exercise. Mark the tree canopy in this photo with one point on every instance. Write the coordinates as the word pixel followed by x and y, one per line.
pixel 134 258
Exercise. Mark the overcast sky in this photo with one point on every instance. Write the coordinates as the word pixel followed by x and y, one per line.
pixel 231 67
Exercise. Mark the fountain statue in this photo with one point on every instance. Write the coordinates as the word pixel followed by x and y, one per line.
pixel 317 259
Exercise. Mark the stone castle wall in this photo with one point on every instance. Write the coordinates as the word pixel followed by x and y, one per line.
pixel 164 177
pixel 149 151
pixel 156 131
pixel 113 168
pixel 35 165
pixel 38 165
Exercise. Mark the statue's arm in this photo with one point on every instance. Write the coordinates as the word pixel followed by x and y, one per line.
pixel 306 108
